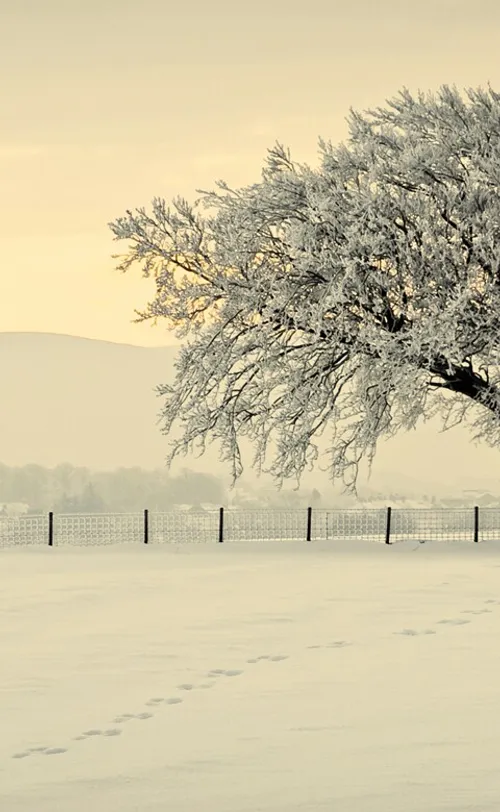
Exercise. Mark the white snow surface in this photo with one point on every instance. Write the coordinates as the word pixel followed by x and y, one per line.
pixel 250 677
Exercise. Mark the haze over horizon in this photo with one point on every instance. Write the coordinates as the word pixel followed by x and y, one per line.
pixel 92 403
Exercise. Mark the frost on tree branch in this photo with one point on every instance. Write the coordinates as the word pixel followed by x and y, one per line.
pixel 355 298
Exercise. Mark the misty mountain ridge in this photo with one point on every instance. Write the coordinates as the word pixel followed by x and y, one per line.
pixel 93 403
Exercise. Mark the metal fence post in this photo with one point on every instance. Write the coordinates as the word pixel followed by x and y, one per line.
pixel 221 525
pixel 146 526
pixel 476 523
pixel 51 528
pixel 388 526
pixel 309 523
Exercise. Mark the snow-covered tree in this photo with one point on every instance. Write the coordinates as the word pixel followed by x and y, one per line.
pixel 357 297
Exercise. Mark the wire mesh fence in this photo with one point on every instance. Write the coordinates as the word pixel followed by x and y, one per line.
pixel 349 524
pixel 102 528
pixel 265 525
pixel 24 530
pixel 434 525
pixel 378 525
pixel 183 527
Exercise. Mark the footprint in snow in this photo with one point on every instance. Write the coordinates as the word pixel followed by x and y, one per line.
pixel 128 717
pixel 455 621
pixel 333 644
pixel 414 632
pixel 87 734
pixel 189 686
pixel 124 717
pixel 161 700
pixel 275 658
pixel 221 672
pixel 474 611
pixel 45 751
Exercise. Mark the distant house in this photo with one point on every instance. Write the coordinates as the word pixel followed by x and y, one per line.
pixel 204 507
pixel 207 506
pixel 13 508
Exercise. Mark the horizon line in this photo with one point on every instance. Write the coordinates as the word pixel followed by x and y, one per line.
pixel 87 338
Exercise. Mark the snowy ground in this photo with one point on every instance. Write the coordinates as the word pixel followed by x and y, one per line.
pixel 348 677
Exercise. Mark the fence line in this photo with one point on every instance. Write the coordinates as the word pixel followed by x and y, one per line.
pixel 384 525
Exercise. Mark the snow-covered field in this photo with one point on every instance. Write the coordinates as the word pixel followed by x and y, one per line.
pixel 339 676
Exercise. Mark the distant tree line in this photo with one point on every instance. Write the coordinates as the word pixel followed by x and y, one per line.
pixel 70 489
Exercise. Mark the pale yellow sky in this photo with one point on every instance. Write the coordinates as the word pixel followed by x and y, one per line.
pixel 108 103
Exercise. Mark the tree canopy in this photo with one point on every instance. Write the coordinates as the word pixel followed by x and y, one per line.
pixel 356 298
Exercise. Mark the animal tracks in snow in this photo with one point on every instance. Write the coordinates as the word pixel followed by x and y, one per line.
pixel 215 674
pixel 218 676
pixel 159 700
pixel 453 621
pixel 42 751
pixel 277 658
pixel 87 734
pixel 450 621
pixel 189 686
pixel 474 611
pixel 333 644
pixel 121 719
pixel 221 672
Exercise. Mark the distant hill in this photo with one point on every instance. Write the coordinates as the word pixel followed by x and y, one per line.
pixel 88 402
pixel 92 403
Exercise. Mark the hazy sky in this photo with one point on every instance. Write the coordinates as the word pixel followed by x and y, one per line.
pixel 108 103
